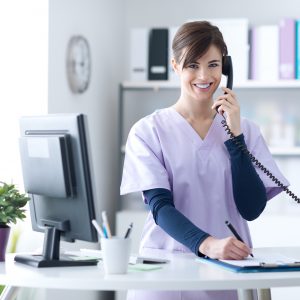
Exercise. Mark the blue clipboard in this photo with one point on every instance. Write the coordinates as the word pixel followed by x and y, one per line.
pixel 263 267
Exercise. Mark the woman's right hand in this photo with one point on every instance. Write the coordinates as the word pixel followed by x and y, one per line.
pixel 228 248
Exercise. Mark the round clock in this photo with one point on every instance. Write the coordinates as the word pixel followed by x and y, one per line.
pixel 78 64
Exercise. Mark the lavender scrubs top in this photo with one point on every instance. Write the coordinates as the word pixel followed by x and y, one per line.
pixel 164 151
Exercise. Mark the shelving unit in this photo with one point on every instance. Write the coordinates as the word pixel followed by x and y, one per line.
pixel 285 151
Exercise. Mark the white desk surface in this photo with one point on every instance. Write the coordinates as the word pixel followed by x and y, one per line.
pixel 182 273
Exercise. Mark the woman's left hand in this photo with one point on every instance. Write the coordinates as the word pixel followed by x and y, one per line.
pixel 229 104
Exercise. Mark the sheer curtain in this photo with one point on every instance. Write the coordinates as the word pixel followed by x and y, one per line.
pixel 23 75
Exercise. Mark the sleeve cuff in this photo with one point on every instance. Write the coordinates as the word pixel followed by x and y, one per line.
pixel 232 147
pixel 197 252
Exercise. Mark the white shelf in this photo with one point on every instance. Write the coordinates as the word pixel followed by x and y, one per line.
pixel 269 84
pixel 276 151
pixel 153 84
pixel 161 84
pixel 285 151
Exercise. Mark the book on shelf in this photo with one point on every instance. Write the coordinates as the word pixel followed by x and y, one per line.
pixel 265 52
pixel 287 48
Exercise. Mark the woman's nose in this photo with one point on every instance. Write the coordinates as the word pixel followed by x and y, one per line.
pixel 202 73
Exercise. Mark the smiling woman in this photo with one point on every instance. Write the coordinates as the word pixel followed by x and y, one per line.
pixel 23 75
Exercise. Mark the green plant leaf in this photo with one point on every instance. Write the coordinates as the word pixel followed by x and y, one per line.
pixel 11 203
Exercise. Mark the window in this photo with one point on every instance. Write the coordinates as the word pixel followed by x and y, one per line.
pixel 23 75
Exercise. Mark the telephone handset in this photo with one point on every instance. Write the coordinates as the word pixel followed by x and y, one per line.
pixel 228 71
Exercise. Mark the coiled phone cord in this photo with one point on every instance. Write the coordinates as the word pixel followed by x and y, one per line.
pixel 254 160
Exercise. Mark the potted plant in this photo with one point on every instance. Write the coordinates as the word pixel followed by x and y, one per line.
pixel 12 204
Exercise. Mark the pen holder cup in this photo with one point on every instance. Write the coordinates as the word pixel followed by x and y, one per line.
pixel 115 254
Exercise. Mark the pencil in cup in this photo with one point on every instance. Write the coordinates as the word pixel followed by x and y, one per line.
pixel 106 224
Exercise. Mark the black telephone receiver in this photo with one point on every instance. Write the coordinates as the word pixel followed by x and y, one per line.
pixel 228 71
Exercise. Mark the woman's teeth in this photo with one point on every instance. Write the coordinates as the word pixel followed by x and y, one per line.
pixel 202 86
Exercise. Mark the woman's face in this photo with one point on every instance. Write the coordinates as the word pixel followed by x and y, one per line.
pixel 200 79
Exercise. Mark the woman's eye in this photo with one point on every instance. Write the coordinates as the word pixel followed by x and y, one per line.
pixel 213 65
pixel 193 66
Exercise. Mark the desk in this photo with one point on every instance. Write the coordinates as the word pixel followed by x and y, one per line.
pixel 182 273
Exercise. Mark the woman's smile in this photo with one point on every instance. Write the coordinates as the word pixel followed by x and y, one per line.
pixel 203 87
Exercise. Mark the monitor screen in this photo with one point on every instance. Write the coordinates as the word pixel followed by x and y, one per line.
pixel 57 177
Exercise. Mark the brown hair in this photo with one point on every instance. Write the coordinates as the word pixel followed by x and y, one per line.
pixel 194 38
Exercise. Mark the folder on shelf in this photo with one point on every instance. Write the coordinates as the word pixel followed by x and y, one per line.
pixel 270 263
pixel 158 54
pixel 138 54
pixel 265 52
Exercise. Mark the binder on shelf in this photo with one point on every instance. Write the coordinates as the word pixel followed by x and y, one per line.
pixel 138 54
pixel 298 49
pixel 287 48
pixel 265 52
pixel 272 263
pixel 158 54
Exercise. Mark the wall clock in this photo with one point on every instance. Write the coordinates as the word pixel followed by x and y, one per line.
pixel 78 64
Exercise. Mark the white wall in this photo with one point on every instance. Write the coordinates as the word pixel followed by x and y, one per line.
pixel 175 12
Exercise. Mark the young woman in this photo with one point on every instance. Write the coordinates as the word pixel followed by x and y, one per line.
pixel 191 174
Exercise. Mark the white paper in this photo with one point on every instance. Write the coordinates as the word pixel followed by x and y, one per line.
pixel 270 259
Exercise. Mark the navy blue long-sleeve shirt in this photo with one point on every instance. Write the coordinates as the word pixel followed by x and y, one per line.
pixel 249 195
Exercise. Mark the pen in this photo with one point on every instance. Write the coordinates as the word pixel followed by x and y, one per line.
pixel 128 230
pixel 106 225
pixel 99 230
pixel 231 228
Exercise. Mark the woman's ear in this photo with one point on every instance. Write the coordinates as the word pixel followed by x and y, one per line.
pixel 175 66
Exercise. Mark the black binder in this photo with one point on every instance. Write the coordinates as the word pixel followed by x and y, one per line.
pixel 158 54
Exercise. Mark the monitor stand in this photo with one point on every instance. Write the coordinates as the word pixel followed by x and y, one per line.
pixel 51 256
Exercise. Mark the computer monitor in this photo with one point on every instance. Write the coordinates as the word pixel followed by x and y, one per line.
pixel 57 177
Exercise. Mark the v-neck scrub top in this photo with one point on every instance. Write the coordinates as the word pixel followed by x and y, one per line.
pixel 164 151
